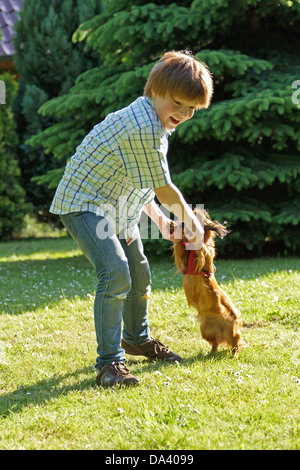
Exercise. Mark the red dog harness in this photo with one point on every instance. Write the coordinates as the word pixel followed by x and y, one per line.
pixel 191 266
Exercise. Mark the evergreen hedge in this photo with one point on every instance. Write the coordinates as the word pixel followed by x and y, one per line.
pixel 240 158
pixel 47 62
pixel 12 196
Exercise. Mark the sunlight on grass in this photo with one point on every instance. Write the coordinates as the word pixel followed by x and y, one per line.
pixel 48 396
pixel 41 256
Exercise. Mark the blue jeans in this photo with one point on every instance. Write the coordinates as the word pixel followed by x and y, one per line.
pixel 123 289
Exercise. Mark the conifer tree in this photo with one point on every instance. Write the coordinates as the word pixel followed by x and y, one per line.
pixel 47 62
pixel 12 196
pixel 240 158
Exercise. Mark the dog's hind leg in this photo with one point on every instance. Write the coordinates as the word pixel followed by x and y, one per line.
pixel 214 347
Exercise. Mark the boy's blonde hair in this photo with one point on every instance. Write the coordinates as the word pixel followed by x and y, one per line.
pixel 181 75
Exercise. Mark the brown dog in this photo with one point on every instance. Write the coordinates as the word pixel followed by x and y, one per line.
pixel 219 319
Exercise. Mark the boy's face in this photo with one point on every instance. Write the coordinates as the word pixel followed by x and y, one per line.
pixel 172 111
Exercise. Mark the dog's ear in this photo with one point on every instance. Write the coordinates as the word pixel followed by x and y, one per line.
pixel 180 254
pixel 213 225
pixel 220 229
pixel 201 215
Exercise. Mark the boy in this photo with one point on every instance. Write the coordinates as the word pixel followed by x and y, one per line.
pixel 116 172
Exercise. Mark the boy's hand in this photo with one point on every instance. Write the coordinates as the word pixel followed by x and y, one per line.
pixel 172 231
pixel 170 197
pixel 167 229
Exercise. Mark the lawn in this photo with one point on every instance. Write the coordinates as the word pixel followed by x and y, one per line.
pixel 48 396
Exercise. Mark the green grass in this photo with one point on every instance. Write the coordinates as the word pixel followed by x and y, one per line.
pixel 48 396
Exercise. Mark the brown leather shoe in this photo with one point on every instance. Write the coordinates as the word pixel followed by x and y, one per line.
pixel 116 374
pixel 152 349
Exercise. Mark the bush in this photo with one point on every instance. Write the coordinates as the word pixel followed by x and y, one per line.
pixel 240 158
pixel 48 64
pixel 12 196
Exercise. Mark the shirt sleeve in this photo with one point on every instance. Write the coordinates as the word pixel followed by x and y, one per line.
pixel 144 156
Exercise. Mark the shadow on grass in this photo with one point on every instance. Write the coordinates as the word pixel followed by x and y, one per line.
pixel 145 366
pixel 48 389
pixel 43 392
pixel 28 285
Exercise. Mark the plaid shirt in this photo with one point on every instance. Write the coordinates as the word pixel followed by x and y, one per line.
pixel 116 166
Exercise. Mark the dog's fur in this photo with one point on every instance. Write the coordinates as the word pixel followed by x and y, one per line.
pixel 219 319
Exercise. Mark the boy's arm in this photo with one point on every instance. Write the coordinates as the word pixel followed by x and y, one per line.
pixel 170 197
pixel 159 218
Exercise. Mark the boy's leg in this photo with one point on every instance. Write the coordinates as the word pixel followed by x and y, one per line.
pixel 135 311
pixel 111 266
pixel 136 333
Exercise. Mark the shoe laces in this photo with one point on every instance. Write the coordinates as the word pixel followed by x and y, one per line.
pixel 120 368
pixel 158 345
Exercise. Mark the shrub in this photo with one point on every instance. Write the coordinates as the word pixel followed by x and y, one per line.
pixel 240 158
pixel 12 196
pixel 48 63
